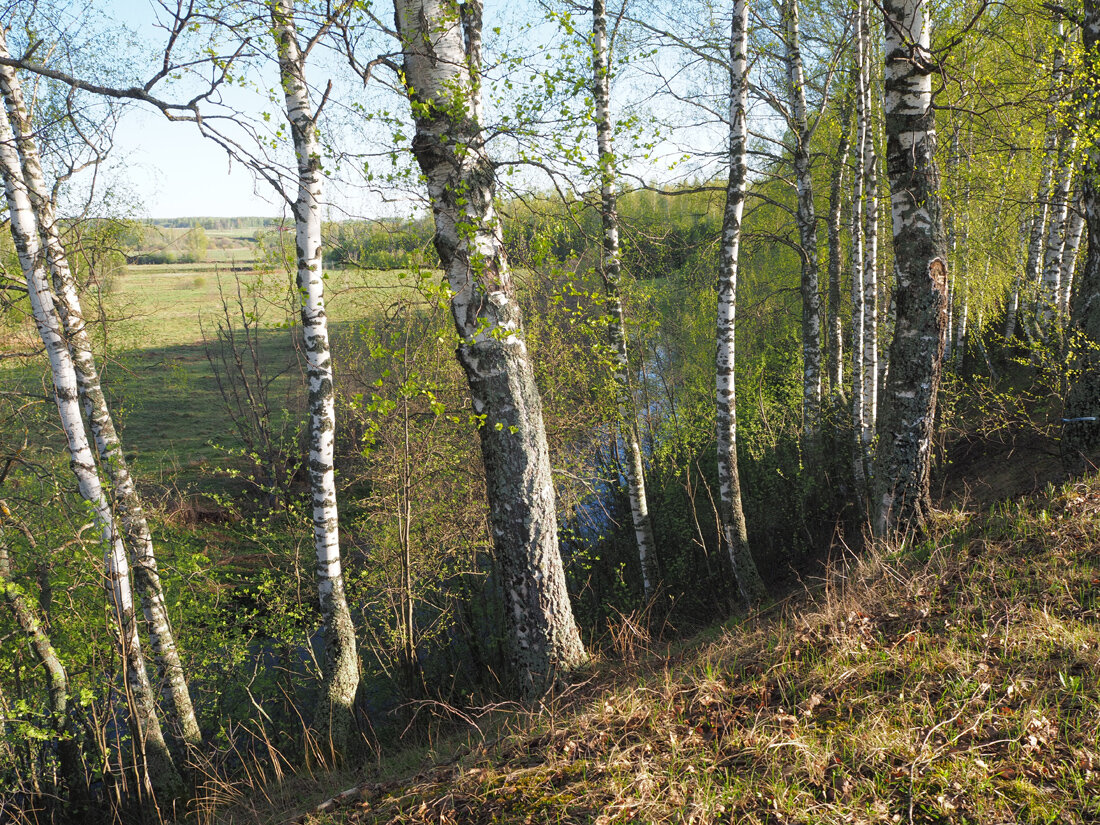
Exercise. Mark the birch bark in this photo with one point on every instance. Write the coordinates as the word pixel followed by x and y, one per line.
pixel 341 660
pixel 807 224
pixel 441 45
pixel 1050 289
pixel 159 773
pixel 903 460
pixel 836 327
pixel 870 246
pixel 1083 399
pixel 611 270
pixel 961 278
pixel 1074 232
pixel 127 503
pixel 1050 156
pixel 860 468
pixel 732 517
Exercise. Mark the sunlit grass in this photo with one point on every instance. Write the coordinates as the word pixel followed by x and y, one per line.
pixel 951 682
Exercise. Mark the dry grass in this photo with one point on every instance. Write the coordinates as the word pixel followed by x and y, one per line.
pixel 954 681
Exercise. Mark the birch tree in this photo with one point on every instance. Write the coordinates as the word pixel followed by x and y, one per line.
pixel 860 463
pixel 1050 286
pixel 441 47
pixel 1075 231
pixel 159 775
pixel 903 459
pixel 1033 268
pixel 341 660
pixel 732 517
pixel 1083 401
pixel 127 503
pixel 611 271
pixel 835 324
pixel 341 668
pixel 806 220
pixel 869 266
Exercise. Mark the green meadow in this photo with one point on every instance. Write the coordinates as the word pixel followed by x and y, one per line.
pixel 154 328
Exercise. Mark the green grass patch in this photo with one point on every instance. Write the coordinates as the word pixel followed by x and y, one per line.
pixel 149 337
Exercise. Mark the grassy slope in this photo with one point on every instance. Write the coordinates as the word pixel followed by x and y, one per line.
pixel 955 681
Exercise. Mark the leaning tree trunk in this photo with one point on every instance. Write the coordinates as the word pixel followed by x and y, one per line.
pixel 807 226
pixel 1081 438
pixel 732 516
pixel 441 44
pixel 160 774
pixel 127 502
pixel 902 497
pixel 611 271
pixel 30 623
pixel 341 660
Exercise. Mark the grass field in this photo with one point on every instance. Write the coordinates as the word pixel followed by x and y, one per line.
pixel 150 345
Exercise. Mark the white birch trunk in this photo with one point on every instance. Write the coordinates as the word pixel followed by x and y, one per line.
pixel 341 660
pixel 1050 289
pixel 903 460
pixel 441 45
pixel 159 771
pixel 127 503
pixel 836 328
pixel 870 247
pixel 611 270
pixel 1074 233
pixel 952 228
pixel 732 516
pixel 962 266
pixel 1033 270
pixel 860 468
pixel 807 225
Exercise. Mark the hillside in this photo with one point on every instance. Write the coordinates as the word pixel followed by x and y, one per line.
pixel 951 681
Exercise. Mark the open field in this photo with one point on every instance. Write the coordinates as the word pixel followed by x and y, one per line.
pixel 154 361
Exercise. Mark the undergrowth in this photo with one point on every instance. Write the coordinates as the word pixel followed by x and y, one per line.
pixel 953 680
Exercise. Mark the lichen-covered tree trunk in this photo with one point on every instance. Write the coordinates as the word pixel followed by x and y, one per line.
pixel 807 224
pixel 732 516
pixel 159 772
pixel 127 503
pixel 441 45
pixel 902 497
pixel 835 325
pixel 611 270
pixel 1083 401
pixel 341 659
